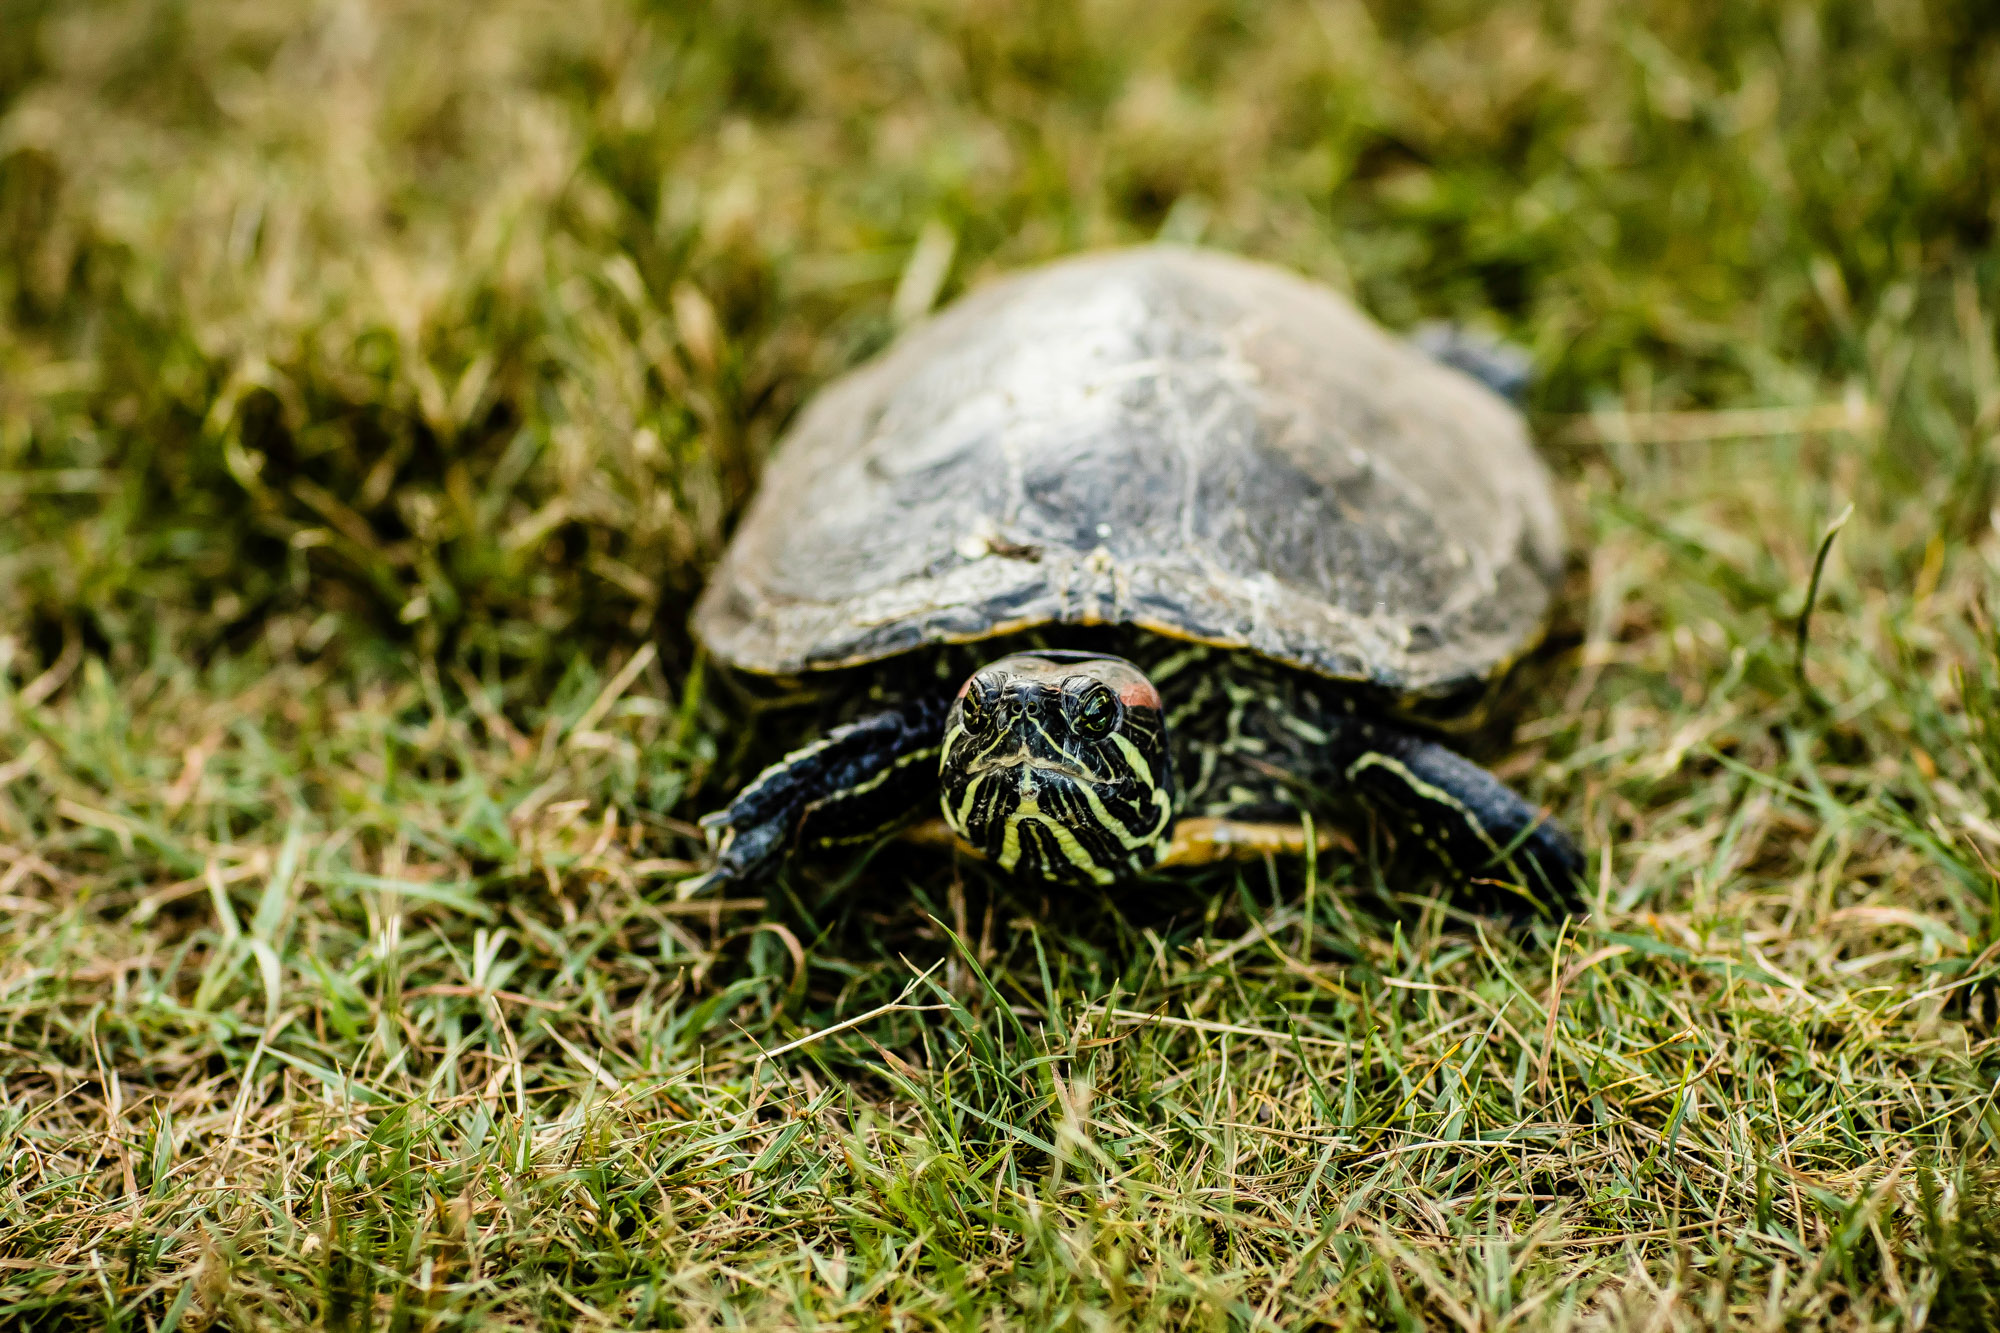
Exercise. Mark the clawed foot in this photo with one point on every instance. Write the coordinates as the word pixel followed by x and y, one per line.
pixel 737 854
pixel 856 779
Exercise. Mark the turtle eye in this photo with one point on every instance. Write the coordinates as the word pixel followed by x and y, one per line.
pixel 1090 707
pixel 978 709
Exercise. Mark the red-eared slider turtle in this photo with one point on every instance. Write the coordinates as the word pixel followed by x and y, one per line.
pixel 1135 543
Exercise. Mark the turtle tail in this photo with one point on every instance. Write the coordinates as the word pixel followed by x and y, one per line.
pixel 1503 367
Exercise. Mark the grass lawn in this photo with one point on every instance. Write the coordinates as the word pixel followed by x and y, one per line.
pixel 379 377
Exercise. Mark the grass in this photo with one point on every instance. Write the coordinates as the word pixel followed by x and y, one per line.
pixel 376 383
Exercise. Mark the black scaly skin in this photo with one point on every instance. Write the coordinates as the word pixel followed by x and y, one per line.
pixel 1250 740
pixel 860 780
pixel 1255 741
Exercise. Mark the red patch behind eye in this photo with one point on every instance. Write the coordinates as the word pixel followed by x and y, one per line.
pixel 1139 694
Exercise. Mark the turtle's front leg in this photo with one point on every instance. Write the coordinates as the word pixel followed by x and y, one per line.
pixel 853 784
pixel 1474 822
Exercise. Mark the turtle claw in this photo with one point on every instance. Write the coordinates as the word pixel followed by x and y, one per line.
pixel 739 853
pixel 732 857
pixel 695 885
pixel 716 831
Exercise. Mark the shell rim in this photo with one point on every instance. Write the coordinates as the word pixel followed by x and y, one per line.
pixel 1442 688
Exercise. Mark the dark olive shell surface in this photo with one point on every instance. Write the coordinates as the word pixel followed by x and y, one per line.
pixel 1163 437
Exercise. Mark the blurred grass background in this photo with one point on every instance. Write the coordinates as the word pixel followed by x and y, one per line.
pixel 377 382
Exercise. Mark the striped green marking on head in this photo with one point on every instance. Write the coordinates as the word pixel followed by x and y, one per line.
pixel 1055 766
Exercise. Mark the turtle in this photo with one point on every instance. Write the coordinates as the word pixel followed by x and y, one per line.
pixel 1143 557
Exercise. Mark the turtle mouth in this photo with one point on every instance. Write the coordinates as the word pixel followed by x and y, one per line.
pixel 1022 758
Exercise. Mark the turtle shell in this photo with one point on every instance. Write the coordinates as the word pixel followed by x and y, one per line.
pixel 1162 437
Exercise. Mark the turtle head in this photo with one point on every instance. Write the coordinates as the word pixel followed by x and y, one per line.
pixel 1055 767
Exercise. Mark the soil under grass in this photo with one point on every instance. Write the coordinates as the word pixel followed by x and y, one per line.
pixel 377 381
